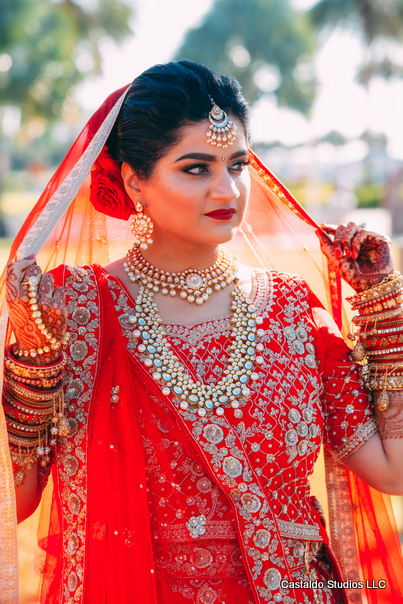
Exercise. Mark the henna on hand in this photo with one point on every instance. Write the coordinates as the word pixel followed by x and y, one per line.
pixel 50 301
pixel 362 258
pixel 390 422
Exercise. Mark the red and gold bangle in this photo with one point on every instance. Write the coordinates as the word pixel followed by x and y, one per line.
pixel 32 394
pixel 44 383
pixel 388 304
pixel 374 318
pixel 374 352
pixel 379 299
pixel 33 371
pixel 388 285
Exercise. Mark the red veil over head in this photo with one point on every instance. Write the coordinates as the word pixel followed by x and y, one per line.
pixel 64 227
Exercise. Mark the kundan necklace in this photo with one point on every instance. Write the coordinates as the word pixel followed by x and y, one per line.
pixel 193 285
pixel 167 369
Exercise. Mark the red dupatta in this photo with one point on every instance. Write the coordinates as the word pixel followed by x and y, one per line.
pixel 64 227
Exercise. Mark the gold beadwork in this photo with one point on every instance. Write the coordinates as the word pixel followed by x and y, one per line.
pixel 142 228
pixel 53 343
pixel 194 286
pixel 222 131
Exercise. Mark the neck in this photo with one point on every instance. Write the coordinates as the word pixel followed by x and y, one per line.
pixel 176 260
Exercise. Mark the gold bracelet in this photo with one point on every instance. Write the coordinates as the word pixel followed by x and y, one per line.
pixel 360 319
pixel 388 285
pixel 34 395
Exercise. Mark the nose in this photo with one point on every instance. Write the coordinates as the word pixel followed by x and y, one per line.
pixel 223 187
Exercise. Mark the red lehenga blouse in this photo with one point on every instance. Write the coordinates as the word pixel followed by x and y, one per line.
pixel 155 504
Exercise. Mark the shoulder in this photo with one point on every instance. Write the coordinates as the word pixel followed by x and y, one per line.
pixel 284 284
pixel 288 280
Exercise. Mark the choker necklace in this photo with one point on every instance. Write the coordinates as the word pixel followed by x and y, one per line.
pixel 167 369
pixel 194 286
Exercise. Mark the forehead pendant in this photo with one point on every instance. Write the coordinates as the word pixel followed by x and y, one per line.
pixel 222 131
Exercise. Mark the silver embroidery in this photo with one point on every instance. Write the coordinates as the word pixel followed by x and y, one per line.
pixel 74 504
pixel 196 526
pixel 78 350
pixel 232 467
pixel 251 502
pixel 201 557
pixel 272 579
pixel 293 530
pixel 310 361
pixel 75 388
pixel 127 321
pixel 81 315
pixel 261 538
pixel 213 434
pixel 291 437
pixel 70 465
pixel 294 416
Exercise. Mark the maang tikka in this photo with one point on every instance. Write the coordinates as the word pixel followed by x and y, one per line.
pixel 222 131
pixel 142 228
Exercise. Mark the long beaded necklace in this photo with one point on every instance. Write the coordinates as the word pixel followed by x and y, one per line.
pixel 195 286
pixel 167 369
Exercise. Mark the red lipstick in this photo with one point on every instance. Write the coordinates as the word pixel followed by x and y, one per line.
pixel 222 214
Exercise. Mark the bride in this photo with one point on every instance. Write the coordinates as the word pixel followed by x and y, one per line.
pixel 178 397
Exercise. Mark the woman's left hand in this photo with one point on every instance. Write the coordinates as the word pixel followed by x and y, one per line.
pixel 362 258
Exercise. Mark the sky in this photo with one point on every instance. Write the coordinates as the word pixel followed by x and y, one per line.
pixel 340 105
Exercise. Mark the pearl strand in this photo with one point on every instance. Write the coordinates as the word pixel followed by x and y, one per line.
pixel 167 369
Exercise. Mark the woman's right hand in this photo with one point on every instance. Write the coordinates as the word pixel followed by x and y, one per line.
pixel 51 302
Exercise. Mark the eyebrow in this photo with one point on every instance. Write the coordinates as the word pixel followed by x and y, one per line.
pixel 208 157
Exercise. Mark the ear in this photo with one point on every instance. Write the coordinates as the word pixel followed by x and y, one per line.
pixel 131 182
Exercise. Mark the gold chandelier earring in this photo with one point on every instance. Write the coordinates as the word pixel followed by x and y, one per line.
pixel 142 228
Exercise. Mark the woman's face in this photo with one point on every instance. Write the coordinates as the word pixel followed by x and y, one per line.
pixel 197 193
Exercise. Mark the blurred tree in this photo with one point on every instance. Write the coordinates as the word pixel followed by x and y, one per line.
pixel 265 44
pixel 48 46
pixel 376 21
pixel 380 25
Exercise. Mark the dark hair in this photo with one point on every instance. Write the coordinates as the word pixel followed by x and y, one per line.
pixel 162 100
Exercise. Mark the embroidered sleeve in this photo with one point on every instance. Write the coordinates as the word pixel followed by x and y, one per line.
pixel 346 404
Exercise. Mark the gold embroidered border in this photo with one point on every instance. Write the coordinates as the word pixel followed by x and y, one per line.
pixel 280 191
pixel 8 516
pixel 360 437
pixel 65 194
pixel 341 525
pixel 292 530
pixel 73 485
pixel 263 290
pixel 215 529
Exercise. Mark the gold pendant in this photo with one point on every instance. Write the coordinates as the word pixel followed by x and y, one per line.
pixel 383 401
pixel 359 352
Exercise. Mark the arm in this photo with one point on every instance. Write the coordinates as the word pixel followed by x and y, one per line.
pixel 32 393
pixel 363 260
pixel 380 460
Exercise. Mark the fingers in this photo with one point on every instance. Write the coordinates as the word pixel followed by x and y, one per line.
pixel 45 292
pixel 33 270
pixel 15 273
pixel 337 242
pixel 358 241
pixel 329 228
pixel 59 299
pixel 345 239
pixel 326 245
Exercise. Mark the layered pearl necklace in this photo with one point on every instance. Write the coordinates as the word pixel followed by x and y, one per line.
pixel 167 369
pixel 195 286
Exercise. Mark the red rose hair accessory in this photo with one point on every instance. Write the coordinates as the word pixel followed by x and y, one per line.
pixel 108 194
